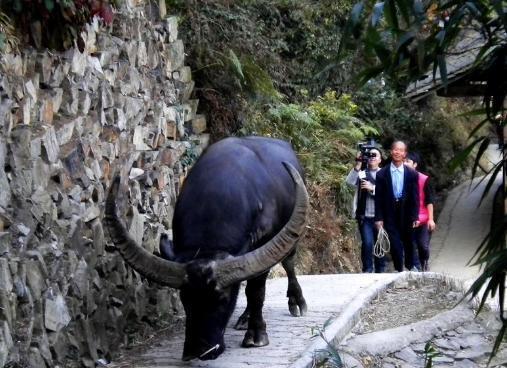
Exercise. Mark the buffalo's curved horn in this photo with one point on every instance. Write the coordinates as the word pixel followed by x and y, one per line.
pixel 236 269
pixel 160 270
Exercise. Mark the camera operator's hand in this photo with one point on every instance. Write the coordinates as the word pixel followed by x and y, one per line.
pixel 359 160
pixel 366 185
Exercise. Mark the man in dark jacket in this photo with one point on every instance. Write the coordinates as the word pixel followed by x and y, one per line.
pixel 397 205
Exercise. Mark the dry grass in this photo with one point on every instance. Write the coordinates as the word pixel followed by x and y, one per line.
pixel 326 247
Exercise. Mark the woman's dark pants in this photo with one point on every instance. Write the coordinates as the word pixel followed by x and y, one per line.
pixel 369 237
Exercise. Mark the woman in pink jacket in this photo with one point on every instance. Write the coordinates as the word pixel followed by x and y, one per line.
pixel 422 233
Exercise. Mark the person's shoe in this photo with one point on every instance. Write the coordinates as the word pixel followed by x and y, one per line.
pixel 414 269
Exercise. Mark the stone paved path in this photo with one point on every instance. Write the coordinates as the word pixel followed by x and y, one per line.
pixel 462 225
pixel 328 296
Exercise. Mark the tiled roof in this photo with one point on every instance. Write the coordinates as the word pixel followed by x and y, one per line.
pixel 459 61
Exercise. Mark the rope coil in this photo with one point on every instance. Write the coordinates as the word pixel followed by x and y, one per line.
pixel 382 245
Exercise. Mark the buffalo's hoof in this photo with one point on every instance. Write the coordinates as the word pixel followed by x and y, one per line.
pixel 255 339
pixel 297 307
pixel 242 323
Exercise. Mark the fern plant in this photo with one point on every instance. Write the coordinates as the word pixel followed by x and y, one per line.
pixel 324 132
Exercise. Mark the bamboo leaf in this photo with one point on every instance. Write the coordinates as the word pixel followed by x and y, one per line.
pixel 390 15
pixel 490 183
pixel 419 12
pixel 355 14
pixel 404 7
pixel 406 38
pixel 49 4
pixel 498 341
pixel 450 4
pixel 352 22
pixel 491 270
pixel 471 6
pixel 498 5
pixel 495 168
pixel 477 127
pixel 378 11
pixel 372 37
pixel 484 53
pixel 475 112
pixel 461 156
pixel 382 53
pixel 373 42
pixel 368 74
pixel 482 148
pixel 480 252
pixel 493 244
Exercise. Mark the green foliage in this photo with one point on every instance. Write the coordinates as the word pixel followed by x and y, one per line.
pixel 329 357
pixel 293 41
pixel 8 40
pixel 324 132
pixel 430 352
pixel 404 39
pixel 52 23
pixel 251 78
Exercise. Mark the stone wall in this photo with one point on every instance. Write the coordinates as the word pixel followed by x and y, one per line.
pixel 68 122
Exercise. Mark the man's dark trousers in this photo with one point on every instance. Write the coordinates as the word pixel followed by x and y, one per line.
pixel 400 236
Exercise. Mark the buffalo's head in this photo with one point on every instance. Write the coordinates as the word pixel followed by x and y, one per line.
pixel 208 309
pixel 208 287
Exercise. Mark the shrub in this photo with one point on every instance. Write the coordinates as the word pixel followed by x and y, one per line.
pixel 8 40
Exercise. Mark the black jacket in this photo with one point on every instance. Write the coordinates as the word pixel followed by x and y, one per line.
pixel 385 202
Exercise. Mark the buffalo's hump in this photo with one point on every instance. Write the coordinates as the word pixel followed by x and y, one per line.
pixel 238 195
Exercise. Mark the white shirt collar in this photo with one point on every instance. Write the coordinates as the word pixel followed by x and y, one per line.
pixel 400 169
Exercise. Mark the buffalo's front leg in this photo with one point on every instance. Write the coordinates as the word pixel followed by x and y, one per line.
pixel 255 335
pixel 297 303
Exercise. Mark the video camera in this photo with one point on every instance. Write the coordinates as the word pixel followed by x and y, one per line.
pixel 366 149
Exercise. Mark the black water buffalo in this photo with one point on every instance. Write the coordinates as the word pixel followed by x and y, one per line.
pixel 240 211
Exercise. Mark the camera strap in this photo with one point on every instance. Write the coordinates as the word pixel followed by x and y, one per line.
pixel 382 245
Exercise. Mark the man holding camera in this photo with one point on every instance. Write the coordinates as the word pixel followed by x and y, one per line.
pixel 363 177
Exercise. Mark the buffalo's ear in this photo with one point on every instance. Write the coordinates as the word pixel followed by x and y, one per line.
pixel 166 247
